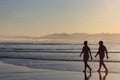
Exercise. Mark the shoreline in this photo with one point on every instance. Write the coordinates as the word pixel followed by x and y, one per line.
pixel 17 69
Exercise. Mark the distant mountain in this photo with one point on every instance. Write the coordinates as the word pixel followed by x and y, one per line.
pixel 84 36
pixel 64 37
pixel 80 35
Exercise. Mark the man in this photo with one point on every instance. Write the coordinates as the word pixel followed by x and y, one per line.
pixel 101 52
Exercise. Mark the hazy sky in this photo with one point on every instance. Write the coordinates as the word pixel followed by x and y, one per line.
pixel 41 17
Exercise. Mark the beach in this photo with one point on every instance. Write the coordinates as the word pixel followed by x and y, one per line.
pixel 20 61
pixel 28 69
pixel 55 39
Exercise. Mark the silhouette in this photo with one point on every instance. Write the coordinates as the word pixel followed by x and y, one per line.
pixel 87 77
pixel 101 51
pixel 104 77
pixel 86 51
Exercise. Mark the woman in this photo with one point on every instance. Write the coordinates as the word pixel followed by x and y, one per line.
pixel 86 51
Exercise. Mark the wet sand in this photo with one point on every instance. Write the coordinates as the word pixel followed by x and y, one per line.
pixel 27 69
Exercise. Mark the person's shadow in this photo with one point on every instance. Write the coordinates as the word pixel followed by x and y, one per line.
pixel 104 77
pixel 87 77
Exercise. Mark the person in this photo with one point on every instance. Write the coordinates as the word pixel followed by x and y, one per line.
pixel 101 52
pixel 86 51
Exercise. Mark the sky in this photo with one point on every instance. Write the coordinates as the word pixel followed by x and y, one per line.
pixel 41 17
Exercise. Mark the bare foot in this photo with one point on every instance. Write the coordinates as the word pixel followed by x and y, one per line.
pixel 90 69
pixel 84 70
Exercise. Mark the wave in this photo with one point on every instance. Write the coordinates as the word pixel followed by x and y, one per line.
pixel 52 47
pixel 24 43
pixel 49 50
pixel 34 49
pixel 50 57
pixel 53 50
pixel 59 59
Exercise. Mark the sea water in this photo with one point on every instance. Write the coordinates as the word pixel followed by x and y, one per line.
pixel 57 56
pixel 54 51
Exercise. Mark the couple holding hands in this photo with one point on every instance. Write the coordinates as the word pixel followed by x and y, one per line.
pixel 101 52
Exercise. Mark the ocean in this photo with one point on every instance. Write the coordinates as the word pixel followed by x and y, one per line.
pixel 61 61
pixel 54 51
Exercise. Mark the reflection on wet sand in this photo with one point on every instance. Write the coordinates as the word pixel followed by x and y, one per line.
pixel 87 77
pixel 104 77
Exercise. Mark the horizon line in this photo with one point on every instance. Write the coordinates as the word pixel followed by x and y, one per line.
pixel 53 33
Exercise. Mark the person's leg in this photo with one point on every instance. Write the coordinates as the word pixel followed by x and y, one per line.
pixel 88 66
pixel 87 63
pixel 100 64
pixel 85 67
pixel 105 66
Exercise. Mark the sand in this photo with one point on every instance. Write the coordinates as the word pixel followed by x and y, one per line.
pixel 27 69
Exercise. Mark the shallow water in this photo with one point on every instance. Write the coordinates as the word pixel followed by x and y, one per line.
pixel 54 51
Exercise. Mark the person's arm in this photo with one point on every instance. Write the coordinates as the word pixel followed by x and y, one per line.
pixel 82 51
pixel 90 54
pixel 97 53
pixel 106 53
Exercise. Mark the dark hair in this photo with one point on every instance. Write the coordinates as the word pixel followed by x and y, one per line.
pixel 101 42
pixel 85 42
